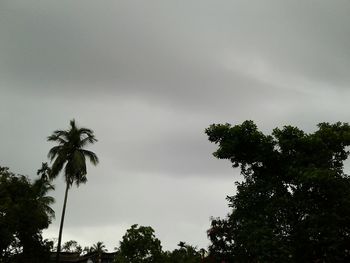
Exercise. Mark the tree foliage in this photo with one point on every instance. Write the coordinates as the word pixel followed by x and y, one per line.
pixel 294 202
pixel 24 212
pixel 70 153
pixel 184 254
pixel 139 245
pixel 99 247
pixel 72 246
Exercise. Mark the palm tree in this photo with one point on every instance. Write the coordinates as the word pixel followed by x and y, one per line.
pixel 70 155
pixel 41 187
pixel 98 248
pixel 44 172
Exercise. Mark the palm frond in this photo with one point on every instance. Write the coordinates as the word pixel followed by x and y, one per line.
pixel 79 162
pixel 59 136
pixel 44 172
pixel 87 140
pixel 43 169
pixel 99 247
pixel 80 179
pixel 75 169
pixel 54 151
pixel 86 131
pixel 80 168
pixel 60 140
pixel 46 206
pixel 57 166
pixel 91 155
pixel 48 200
pixel 41 188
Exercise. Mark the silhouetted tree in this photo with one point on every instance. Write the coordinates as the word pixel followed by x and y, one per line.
pixel 294 202
pixel 24 212
pixel 41 188
pixel 184 254
pixel 72 246
pixel 139 245
pixel 87 249
pixel 98 248
pixel 44 172
pixel 70 155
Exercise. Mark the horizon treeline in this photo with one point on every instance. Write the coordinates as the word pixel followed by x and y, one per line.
pixel 25 212
pixel 293 204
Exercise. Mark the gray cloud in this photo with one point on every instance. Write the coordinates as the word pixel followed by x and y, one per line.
pixel 149 77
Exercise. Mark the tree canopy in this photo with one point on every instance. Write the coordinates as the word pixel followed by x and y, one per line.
pixel 139 244
pixel 184 254
pixel 70 153
pixel 71 246
pixel 294 202
pixel 24 212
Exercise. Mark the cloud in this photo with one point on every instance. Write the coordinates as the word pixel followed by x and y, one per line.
pixel 181 204
pixel 148 78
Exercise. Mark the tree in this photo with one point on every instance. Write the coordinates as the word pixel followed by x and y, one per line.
pixel 98 248
pixel 184 254
pixel 139 245
pixel 72 246
pixel 70 155
pixel 24 212
pixel 44 172
pixel 87 249
pixel 41 187
pixel 294 202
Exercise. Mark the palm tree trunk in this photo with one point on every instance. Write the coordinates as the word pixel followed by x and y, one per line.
pixel 61 225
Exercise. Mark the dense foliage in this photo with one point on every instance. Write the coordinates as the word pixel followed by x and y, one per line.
pixel 184 254
pixel 294 202
pixel 71 246
pixel 139 244
pixel 24 212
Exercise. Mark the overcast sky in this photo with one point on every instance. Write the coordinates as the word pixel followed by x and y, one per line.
pixel 148 77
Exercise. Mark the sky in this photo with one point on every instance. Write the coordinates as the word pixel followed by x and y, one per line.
pixel 149 77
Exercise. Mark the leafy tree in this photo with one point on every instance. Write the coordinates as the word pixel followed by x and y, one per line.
pixel 294 202
pixel 87 249
pixel 184 254
pixel 72 246
pixel 24 212
pixel 139 245
pixel 70 155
